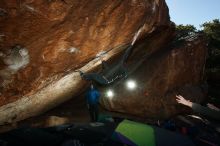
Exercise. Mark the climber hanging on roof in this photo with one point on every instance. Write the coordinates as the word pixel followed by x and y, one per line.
pixel 109 75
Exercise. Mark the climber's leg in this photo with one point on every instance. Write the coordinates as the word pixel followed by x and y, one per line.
pixel 95 77
pixel 126 54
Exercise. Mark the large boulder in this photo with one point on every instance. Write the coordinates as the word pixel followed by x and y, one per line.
pixel 43 43
pixel 177 68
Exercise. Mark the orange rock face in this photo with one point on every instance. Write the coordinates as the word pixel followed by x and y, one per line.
pixel 43 43
pixel 62 36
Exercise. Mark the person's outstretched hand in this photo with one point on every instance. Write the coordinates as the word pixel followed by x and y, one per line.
pixel 182 100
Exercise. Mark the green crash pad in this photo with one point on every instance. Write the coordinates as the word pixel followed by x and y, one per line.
pixel 138 133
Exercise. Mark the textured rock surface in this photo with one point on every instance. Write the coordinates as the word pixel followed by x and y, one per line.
pixel 176 69
pixel 42 43
pixel 63 36
pixel 58 37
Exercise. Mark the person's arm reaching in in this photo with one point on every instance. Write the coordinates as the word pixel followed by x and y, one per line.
pixel 198 108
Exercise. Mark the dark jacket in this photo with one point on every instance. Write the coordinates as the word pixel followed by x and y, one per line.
pixel 206 111
pixel 92 96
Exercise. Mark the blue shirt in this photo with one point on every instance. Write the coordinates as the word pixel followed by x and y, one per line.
pixel 92 96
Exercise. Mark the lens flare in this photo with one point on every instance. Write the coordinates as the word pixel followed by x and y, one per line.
pixel 131 84
pixel 110 94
